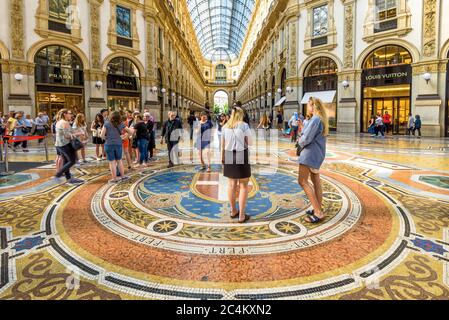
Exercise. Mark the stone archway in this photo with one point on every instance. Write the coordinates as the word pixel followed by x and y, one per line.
pixel 221 101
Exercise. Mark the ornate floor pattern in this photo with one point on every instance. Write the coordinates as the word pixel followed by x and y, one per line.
pixel 167 234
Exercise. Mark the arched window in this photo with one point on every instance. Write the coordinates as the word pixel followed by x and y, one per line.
pixel 321 75
pixel 385 56
pixel 123 75
pixel 220 73
pixel 320 66
pixel 58 65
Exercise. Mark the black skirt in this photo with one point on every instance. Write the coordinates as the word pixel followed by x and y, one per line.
pixel 97 140
pixel 237 165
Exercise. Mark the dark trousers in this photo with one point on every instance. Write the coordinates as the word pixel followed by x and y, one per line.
pixel 419 131
pixel 170 146
pixel 41 132
pixel 69 160
pixel 387 127
pixel 379 129
pixel 294 133
pixel 24 144
pixel 191 132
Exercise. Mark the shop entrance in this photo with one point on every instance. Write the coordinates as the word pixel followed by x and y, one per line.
pixel 51 103
pixel 397 107
pixel 118 103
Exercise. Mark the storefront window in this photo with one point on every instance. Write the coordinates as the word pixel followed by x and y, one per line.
pixel 319 21
pixel 123 75
pixel 58 65
pixel 386 15
pixel 386 87
pixel 57 9
pixel 387 56
pixel 220 73
pixel 123 22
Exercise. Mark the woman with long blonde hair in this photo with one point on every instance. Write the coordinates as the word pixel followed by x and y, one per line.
pixel 313 151
pixel 236 138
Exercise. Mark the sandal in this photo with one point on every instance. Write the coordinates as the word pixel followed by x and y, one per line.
pixel 310 212
pixel 314 219
pixel 208 169
pixel 244 220
pixel 236 215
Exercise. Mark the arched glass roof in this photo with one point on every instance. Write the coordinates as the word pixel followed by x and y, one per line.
pixel 220 26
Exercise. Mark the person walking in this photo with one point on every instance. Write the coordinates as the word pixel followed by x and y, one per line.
pixel 236 139
pixel 372 126
pixel 387 121
pixel 95 128
pixel 64 136
pixel 80 127
pixel 21 131
pixel 410 124
pixel 417 126
pixel 265 124
pixel 142 136
pixel 379 126
pixel 171 133
pixel 40 126
pixel 222 119
pixel 280 120
pixel 293 123
pixel 313 151
pixel 204 136
pixel 149 122
pixel 191 121
pixel 111 133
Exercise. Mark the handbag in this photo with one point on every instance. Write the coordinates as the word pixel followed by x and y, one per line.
pixel 76 144
pixel 298 149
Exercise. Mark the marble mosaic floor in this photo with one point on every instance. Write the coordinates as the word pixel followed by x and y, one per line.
pixel 167 234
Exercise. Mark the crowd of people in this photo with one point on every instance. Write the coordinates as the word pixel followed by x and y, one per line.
pixel 380 125
pixel 131 136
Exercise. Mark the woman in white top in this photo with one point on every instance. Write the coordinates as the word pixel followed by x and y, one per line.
pixel 235 158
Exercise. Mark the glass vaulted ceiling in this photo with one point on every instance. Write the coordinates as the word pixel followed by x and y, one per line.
pixel 220 26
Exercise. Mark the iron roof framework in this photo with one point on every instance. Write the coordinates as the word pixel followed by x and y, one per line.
pixel 220 26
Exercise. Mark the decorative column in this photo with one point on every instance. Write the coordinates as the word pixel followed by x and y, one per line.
pixel 292 96
pixel 428 72
pixel 19 74
pixel 96 82
pixel 149 95
pixel 348 89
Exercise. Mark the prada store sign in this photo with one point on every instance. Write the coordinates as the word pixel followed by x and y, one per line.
pixel 387 76
pixel 123 82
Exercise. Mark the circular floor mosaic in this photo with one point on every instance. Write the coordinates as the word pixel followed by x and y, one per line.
pixel 168 233
pixel 188 211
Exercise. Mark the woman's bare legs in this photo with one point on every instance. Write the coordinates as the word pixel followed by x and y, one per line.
pixel 113 168
pixel 303 180
pixel 121 169
pixel 97 151
pixel 128 158
pixel 232 190
pixel 315 177
pixel 243 196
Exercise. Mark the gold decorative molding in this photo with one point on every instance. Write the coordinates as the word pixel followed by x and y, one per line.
pixel 42 18
pixel 18 66
pixel 16 15
pixel 95 40
pixel 151 48
pixel 434 66
pixel 430 26
pixel 292 48
pixel 348 59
